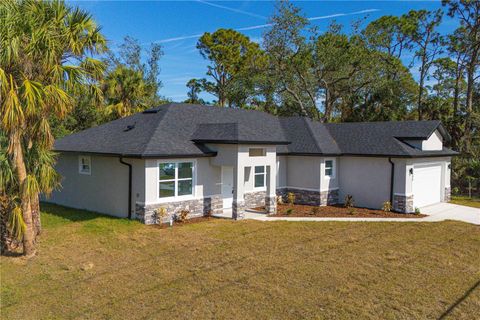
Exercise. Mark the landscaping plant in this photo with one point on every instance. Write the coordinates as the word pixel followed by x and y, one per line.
pixel 161 214
pixel 182 216
pixel 349 201
pixel 279 200
pixel 387 206
pixel 289 211
pixel 291 198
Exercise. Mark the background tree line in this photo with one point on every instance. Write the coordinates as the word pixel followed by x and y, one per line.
pixel 333 76
pixel 58 76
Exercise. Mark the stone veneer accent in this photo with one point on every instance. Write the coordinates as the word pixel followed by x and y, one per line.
pixel 255 199
pixel 448 194
pixel 271 205
pixel 402 203
pixel 309 197
pixel 238 210
pixel 197 207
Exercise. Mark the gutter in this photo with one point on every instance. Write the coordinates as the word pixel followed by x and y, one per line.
pixel 392 176
pixel 129 215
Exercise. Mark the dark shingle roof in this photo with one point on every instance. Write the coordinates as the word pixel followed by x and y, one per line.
pixel 169 130
pixel 307 137
pixel 385 138
pixel 176 130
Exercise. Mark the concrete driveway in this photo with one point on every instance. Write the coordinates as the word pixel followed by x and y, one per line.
pixel 449 211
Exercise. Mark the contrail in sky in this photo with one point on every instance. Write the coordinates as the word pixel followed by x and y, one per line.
pixel 232 9
pixel 261 26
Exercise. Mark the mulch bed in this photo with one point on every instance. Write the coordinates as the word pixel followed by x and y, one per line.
pixel 182 223
pixel 336 211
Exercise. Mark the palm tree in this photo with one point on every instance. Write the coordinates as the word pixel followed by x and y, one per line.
pixel 43 58
pixel 125 91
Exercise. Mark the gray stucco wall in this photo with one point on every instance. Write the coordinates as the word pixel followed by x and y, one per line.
pixel 367 179
pixel 303 172
pixel 105 190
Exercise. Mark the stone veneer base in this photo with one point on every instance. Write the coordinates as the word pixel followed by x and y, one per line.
pixel 447 195
pixel 238 210
pixel 197 207
pixel 255 199
pixel 309 197
pixel 402 203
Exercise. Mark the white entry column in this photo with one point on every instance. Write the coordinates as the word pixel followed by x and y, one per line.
pixel 271 196
pixel 238 203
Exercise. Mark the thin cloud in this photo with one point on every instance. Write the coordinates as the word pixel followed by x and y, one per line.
pixel 232 9
pixel 266 25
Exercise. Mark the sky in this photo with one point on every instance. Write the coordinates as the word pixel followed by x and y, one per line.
pixel 177 25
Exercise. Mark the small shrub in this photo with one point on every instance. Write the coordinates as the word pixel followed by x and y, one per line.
pixel 387 206
pixel 279 200
pixel 161 214
pixel 291 198
pixel 289 211
pixel 349 201
pixel 351 211
pixel 315 210
pixel 417 210
pixel 182 216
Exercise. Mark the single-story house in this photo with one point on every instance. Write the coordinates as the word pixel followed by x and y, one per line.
pixel 207 159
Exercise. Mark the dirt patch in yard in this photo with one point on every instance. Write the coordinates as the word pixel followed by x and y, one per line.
pixel 182 223
pixel 337 211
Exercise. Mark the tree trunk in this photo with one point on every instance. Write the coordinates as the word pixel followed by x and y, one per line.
pixel 29 236
pixel 326 116
pixel 37 223
pixel 468 122
pixel 420 93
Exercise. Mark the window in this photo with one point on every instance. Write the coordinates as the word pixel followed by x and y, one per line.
pixel 329 170
pixel 175 179
pixel 259 176
pixel 84 165
pixel 256 152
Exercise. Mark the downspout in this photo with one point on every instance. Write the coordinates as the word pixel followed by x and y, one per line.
pixel 392 176
pixel 129 186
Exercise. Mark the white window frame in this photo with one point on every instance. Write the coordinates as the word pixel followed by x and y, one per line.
pixel 81 170
pixel 176 197
pixel 334 168
pixel 264 187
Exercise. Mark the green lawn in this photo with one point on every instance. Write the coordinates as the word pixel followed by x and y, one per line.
pixel 466 201
pixel 95 267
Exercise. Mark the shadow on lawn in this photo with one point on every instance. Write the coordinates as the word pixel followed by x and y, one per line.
pixel 460 300
pixel 72 214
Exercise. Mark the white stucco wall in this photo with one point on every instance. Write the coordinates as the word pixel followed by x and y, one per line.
pixel 281 171
pixel 326 182
pixel 105 190
pixel 249 163
pixel 434 142
pixel 207 179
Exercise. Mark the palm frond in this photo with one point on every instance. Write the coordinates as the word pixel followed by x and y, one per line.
pixel 16 224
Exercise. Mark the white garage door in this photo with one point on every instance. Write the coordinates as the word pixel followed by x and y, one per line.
pixel 427 182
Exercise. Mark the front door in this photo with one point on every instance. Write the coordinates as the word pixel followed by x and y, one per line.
pixel 227 187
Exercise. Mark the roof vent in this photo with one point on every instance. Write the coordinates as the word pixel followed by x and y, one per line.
pixel 153 110
pixel 130 127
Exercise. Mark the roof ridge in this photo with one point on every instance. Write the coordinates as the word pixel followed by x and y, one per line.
pixel 310 131
pixel 161 115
